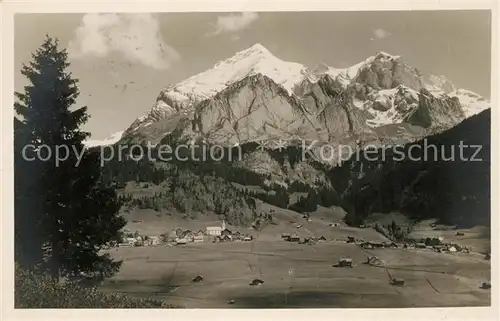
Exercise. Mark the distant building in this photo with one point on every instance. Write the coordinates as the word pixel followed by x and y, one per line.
pixel 294 238
pixel 226 238
pixel 247 238
pixel 345 262
pixel 226 232
pixel 216 230
pixel 322 239
pixel 198 238
pixel 154 240
pixel 285 236
pixel 367 245
pixel 188 235
pixel 180 241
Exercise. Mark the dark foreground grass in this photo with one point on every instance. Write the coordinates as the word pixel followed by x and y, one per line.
pixel 34 291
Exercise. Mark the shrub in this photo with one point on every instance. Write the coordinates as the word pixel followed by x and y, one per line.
pixel 40 291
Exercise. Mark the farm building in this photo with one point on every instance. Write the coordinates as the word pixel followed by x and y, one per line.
pixel 285 236
pixel 226 232
pixel 187 234
pixel 247 238
pixel 321 239
pixel 367 245
pixel 198 238
pixel 152 240
pixel 374 261
pixel 294 238
pixel 226 238
pixel 197 279
pixel 130 240
pixel 345 262
pixel 181 241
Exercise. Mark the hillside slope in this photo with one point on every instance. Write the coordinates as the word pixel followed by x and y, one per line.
pixel 438 181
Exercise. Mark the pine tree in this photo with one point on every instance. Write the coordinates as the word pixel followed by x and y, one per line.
pixel 64 214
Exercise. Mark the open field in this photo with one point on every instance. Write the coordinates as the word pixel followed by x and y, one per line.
pixel 298 276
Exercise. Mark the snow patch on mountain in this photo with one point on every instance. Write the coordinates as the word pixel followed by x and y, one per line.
pixel 471 102
pixel 346 75
pixel 438 85
pixel 389 106
pixel 254 60
pixel 110 140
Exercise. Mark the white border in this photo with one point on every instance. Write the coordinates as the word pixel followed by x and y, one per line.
pixel 9 8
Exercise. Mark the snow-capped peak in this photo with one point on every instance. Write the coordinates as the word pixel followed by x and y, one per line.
pixel 110 140
pixel 346 75
pixel 254 60
pixel 385 55
pixel 250 61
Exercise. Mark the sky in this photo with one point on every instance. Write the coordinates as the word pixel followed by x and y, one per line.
pixel 123 61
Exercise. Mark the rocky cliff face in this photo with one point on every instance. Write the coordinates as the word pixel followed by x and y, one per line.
pixel 255 96
pixel 385 71
pixel 443 112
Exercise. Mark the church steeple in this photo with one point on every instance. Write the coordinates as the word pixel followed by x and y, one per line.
pixel 223 225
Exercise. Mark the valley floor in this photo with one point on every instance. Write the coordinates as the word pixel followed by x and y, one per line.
pixel 299 276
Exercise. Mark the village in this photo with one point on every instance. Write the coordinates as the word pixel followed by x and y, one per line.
pixel 222 234
pixel 325 244
pixel 179 236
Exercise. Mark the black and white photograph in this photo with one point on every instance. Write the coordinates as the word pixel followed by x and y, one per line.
pixel 252 159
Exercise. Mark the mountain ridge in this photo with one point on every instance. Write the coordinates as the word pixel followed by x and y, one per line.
pixel 382 88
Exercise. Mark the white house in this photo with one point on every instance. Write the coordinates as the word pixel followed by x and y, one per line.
pixel 216 230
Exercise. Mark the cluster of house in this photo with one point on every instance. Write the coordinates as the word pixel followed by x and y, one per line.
pixel 436 244
pixel 222 234
pixel 183 236
pixel 369 244
pixel 140 241
pixel 377 245
pixel 305 240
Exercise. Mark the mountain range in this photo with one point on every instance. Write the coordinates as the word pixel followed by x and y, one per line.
pixel 255 96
